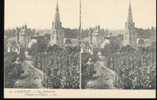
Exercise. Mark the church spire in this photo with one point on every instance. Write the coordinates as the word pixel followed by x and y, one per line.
pixel 57 36
pixel 130 16
pixel 130 36
pixel 57 7
pixel 80 19
pixel 80 31
pixel 57 22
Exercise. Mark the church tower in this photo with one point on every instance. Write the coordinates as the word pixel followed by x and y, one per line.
pixel 130 34
pixel 57 36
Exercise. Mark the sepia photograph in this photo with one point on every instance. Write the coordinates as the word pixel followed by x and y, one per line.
pixel 80 45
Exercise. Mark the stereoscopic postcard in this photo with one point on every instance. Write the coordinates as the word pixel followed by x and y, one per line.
pixel 80 49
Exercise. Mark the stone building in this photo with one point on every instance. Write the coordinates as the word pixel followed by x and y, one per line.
pixel 24 36
pixel 134 35
pixel 130 34
pixel 57 36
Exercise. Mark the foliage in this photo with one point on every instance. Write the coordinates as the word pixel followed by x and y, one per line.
pixel 12 70
pixel 62 69
pixel 136 69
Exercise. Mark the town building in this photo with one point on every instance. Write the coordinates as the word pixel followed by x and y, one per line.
pixel 61 35
pixel 57 36
pixel 137 37
pixel 130 35
pixel 24 36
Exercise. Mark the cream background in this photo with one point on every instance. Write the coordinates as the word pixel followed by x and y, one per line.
pixel 45 93
pixel 110 14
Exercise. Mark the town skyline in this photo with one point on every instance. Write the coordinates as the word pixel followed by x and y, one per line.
pixel 110 20
pixel 91 56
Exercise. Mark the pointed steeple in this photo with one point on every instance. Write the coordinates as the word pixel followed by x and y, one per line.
pixel 130 36
pixel 57 22
pixel 57 36
pixel 130 16
pixel 80 20
pixel 80 31
pixel 57 7
pixel 80 16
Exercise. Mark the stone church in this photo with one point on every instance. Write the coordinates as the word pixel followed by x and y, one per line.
pixel 60 35
pixel 131 35
pixel 137 37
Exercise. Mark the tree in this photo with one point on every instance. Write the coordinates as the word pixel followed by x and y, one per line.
pixel 12 70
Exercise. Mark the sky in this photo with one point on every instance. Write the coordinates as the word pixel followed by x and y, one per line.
pixel 109 14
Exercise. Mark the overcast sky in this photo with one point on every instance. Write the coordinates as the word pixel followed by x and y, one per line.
pixel 109 14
